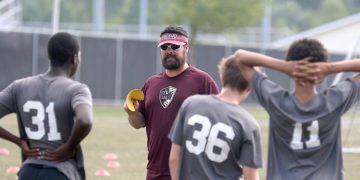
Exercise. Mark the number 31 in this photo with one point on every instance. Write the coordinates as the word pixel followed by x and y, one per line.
pixel 38 120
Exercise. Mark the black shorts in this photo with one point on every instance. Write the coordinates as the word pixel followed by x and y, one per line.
pixel 40 172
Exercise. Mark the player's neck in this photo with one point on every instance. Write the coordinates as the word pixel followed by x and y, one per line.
pixel 231 96
pixel 57 71
pixel 173 73
pixel 304 93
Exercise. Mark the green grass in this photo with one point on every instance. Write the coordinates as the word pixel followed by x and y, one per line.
pixel 112 133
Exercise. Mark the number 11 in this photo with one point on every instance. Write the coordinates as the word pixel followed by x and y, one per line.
pixel 313 141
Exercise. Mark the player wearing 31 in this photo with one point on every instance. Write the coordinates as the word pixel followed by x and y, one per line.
pixel 54 114
pixel 305 133
pixel 164 94
pixel 213 137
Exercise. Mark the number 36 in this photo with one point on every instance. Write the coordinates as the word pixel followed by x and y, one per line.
pixel 207 138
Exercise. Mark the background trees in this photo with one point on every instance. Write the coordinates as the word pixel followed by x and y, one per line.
pixel 205 16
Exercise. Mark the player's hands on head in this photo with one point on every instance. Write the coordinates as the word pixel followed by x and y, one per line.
pixel 308 72
pixel 62 153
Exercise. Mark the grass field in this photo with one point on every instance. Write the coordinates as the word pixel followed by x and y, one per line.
pixel 112 133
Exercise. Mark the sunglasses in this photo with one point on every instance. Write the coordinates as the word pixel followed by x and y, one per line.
pixel 172 46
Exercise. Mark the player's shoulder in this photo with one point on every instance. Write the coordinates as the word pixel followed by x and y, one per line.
pixel 200 97
pixel 199 100
pixel 195 97
pixel 64 81
pixel 345 84
pixel 246 119
pixel 261 77
pixel 67 83
pixel 26 80
pixel 76 85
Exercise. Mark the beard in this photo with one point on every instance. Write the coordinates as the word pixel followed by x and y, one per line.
pixel 172 62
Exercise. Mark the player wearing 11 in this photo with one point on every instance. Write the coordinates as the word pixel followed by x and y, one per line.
pixel 305 129
pixel 54 114
pixel 164 94
pixel 213 137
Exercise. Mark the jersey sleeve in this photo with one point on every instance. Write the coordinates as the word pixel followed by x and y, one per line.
pixel 176 131
pixel 7 100
pixel 81 95
pixel 263 89
pixel 210 87
pixel 343 95
pixel 251 154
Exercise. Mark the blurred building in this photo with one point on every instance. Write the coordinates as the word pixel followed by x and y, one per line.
pixel 338 36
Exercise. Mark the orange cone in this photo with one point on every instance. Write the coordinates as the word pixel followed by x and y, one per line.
pixel 110 157
pixel 102 173
pixel 113 164
pixel 12 169
pixel 4 151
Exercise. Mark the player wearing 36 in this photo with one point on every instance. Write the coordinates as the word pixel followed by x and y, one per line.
pixel 54 114
pixel 213 137
pixel 305 131
pixel 164 94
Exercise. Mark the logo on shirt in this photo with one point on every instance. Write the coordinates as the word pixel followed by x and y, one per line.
pixel 166 96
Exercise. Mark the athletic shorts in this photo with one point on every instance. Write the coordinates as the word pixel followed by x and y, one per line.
pixel 40 172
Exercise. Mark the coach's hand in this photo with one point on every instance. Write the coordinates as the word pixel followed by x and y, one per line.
pixel 62 153
pixel 136 106
pixel 132 101
pixel 135 118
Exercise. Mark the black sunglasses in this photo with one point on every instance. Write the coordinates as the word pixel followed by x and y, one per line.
pixel 172 46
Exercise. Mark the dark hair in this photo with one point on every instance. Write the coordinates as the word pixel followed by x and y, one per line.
pixel 231 75
pixel 174 29
pixel 62 46
pixel 307 48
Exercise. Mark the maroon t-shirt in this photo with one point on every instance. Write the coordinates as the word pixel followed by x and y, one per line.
pixel 163 98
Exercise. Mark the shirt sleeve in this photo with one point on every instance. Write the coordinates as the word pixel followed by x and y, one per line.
pixel 176 131
pixel 81 95
pixel 210 87
pixel 251 154
pixel 264 89
pixel 343 95
pixel 7 100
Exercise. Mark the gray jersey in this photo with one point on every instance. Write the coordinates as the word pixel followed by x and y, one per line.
pixel 216 139
pixel 305 139
pixel 45 110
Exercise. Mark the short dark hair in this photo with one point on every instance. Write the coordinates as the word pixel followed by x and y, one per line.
pixel 307 48
pixel 231 74
pixel 62 46
pixel 174 29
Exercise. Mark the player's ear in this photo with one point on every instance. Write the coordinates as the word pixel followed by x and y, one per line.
pixel 72 60
pixel 75 59
pixel 73 64
pixel 248 89
pixel 186 46
pixel 221 79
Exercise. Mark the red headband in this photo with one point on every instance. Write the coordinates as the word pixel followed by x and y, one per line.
pixel 172 38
